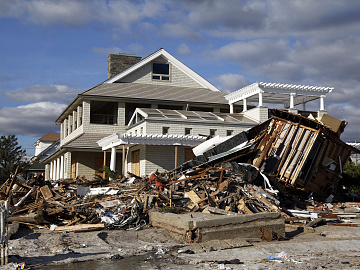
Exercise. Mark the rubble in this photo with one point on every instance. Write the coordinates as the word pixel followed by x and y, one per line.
pixel 265 169
pixel 295 152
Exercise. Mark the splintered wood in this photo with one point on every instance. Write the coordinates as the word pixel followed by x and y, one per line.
pixel 219 190
pixel 291 153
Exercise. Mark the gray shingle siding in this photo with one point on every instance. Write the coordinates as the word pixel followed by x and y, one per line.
pixel 177 77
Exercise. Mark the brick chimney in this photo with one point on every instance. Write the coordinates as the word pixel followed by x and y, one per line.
pixel 119 62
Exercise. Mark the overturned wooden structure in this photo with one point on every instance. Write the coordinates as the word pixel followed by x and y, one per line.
pixel 293 150
pixel 300 152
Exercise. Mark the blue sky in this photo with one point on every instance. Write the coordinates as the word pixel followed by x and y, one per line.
pixel 52 50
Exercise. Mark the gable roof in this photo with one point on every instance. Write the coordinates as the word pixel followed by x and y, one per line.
pixel 173 60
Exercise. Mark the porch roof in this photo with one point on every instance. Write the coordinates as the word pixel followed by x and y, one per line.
pixel 278 93
pixel 117 139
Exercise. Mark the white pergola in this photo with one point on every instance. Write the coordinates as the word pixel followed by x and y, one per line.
pixel 117 139
pixel 288 94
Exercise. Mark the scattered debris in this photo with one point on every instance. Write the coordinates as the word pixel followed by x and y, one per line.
pixel 267 168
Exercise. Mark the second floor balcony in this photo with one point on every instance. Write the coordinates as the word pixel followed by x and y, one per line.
pixel 104 119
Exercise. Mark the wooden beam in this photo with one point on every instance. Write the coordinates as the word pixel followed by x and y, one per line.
pixel 103 174
pixel 123 159
pixel 176 156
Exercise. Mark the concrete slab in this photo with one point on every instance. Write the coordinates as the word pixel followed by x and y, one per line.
pixel 219 227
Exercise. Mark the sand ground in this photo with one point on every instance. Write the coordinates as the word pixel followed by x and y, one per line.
pixel 327 247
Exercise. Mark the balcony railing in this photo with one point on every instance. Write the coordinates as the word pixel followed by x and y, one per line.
pixel 104 119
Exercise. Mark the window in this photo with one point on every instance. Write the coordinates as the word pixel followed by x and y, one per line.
pixel 102 112
pixel 165 130
pixel 229 132
pixel 141 130
pixel 161 72
pixel 212 132
pixel 188 131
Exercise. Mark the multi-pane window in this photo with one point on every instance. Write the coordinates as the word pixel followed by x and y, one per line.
pixel 213 132
pixel 188 131
pixel 165 130
pixel 161 72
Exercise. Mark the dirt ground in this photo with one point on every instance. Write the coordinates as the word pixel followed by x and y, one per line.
pixel 327 247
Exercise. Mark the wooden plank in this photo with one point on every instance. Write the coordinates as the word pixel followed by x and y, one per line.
pixel 79 227
pixel 12 182
pixel 344 224
pixel 56 211
pixel 25 197
pixel 243 208
pixel 314 222
pixel 186 179
pixel 46 192
pixel 223 185
pixel 193 196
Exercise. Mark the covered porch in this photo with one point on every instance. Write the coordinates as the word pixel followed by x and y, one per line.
pixel 125 142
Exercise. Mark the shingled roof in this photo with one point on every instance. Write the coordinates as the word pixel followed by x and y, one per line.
pixel 50 137
pixel 135 91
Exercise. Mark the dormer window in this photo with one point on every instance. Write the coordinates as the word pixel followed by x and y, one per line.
pixel 161 72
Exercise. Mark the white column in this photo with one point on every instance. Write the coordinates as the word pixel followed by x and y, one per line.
pixel 113 159
pixel 303 106
pixel 292 95
pixel 231 107
pixel 322 105
pixel 65 128
pixel 74 120
pixel 58 169
pixel 244 105
pixel 260 99
pixel 70 124
pixel 78 116
pixel 62 130
pixel 62 167
pixel 51 170
pixel 54 169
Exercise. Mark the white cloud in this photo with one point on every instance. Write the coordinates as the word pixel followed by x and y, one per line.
pixel 299 41
pixel 183 49
pixel 79 13
pixel 34 119
pixel 231 82
pixel 181 30
pixel 37 93
pixel 112 50
pixel 251 53
pixel 74 13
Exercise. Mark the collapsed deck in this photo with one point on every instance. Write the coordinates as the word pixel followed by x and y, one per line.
pixel 293 150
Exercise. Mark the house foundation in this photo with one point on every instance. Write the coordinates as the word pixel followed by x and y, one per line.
pixel 202 227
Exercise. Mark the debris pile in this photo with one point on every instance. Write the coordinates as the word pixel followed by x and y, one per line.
pixel 273 165
pixel 295 152
pixel 124 203
pixel 336 214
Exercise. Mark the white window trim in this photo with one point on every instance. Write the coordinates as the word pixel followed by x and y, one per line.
pixel 160 75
